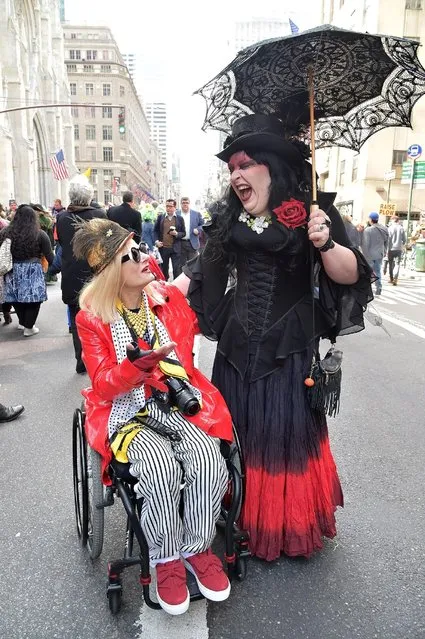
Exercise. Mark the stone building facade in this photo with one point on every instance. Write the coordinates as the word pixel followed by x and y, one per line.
pixel 32 74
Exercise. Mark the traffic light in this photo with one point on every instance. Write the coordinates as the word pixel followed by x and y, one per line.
pixel 121 120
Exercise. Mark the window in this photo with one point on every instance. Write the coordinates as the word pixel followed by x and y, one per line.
pixel 399 156
pixel 73 88
pixel 76 132
pixel 90 132
pixel 355 168
pixel 106 89
pixel 74 112
pixel 91 153
pixel 91 55
pixel 105 68
pixel 71 68
pixel 75 54
pixel 107 154
pixel 107 196
pixel 88 68
pixel 93 177
pixel 413 4
pixel 89 89
pixel 107 132
pixel 342 173
pixel 107 177
pixel 123 177
pixel 122 91
pixel 77 153
pixel 95 194
pixel 90 112
pixel 106 112
pixel 105 55
pixel 73 36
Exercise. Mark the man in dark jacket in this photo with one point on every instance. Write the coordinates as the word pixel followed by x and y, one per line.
pixel 168 232
pixel 75 273
pixel 126 216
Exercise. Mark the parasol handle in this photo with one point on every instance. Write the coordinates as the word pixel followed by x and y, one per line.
pixel 312 133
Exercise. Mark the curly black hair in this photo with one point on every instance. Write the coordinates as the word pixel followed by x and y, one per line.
pixel 287 181
pixel 23 232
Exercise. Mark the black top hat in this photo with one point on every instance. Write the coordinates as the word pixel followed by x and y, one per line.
pixel 259 132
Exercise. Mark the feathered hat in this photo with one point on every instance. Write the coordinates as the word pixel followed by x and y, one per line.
pixel 98 241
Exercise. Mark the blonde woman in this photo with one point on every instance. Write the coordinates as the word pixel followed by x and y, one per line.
pixel 149 406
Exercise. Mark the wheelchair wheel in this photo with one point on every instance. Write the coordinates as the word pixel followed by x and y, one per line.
pixel 79 467
pixel 236 469
pixel 95 499
pixel 240 568
pixel 115 599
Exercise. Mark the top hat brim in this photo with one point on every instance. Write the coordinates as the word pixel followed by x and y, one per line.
pixel 262 141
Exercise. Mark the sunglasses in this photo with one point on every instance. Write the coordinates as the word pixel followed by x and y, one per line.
pixel 135 253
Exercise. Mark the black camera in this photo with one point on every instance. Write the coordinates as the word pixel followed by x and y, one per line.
pixel 182 397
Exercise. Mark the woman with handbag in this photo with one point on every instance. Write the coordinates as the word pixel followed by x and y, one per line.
pixel 24 285
pixel 151 407
pixel 268 334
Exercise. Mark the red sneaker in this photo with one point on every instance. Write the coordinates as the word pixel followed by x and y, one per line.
pixel 209 574
pixel 171 589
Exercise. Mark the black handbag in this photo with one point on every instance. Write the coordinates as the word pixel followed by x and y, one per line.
pixel 324 383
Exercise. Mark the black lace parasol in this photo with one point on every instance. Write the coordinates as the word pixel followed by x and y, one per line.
pixel 328 85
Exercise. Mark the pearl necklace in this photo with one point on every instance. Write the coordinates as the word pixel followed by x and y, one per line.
pixel 255 223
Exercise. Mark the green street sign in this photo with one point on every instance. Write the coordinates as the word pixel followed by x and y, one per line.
pixel 406 175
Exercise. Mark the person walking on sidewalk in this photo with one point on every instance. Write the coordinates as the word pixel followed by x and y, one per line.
pixel 75 273
pixel 24 285
pixel 375 245
pixel 396 242
pixel 193 223
pixel 9 413
pixel 127 216
pixel 168 232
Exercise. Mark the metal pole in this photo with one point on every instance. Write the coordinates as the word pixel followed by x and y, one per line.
pixel 389 191
pixel 409 205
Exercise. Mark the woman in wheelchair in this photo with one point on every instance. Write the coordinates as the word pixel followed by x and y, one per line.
pixel 149 406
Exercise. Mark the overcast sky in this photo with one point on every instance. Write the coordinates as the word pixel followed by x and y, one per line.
pixel 179 47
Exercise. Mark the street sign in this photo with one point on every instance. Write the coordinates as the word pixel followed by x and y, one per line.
pixel 389 175
pixel 387 208
pixel 414 151
pixel 419 177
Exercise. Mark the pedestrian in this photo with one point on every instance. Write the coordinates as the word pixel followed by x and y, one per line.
pixel 193 223
pixel 75 273
pixel 24 285
pixel 169 230
pixel 57 208
pixel 127 216
pixel 147 229
pixel 396 242
pixel 375 245
pixel 9 413
pixel 264 329
pixel 123 314
pixel 352 232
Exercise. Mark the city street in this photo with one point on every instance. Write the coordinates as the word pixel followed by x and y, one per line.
pixel 369 582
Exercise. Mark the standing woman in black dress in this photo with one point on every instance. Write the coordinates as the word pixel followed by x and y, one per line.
pixel 262 232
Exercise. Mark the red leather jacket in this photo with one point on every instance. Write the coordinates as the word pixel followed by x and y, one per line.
pixel 110 379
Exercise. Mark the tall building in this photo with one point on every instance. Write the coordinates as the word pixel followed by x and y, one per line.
pixel 359 178
pixel 32 73
pixel 62 10
pixel 105 101
pixel 250 31
pixel 156 113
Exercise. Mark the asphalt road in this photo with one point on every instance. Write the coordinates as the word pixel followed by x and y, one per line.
pixel 367 583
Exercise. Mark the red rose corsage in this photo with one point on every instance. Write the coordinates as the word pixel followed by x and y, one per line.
pixel 291 213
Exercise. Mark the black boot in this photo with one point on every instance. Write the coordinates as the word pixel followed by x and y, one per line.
pixel 8 413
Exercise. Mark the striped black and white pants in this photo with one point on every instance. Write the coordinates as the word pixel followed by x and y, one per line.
pixel 162 466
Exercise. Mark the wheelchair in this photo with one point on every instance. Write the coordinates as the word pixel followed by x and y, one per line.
pixel 91 497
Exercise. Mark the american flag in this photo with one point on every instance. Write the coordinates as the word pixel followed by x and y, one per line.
pixel 294 28
pixel 59 169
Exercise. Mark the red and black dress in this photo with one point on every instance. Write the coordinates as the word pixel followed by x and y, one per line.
pixel 264 330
